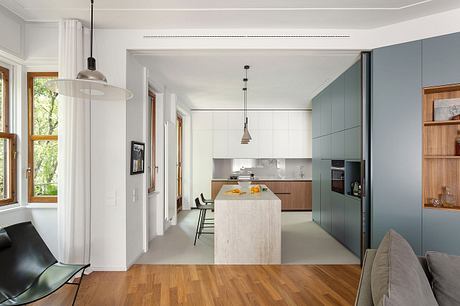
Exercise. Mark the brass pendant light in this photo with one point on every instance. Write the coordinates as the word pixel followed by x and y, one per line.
pixel 89 83
pixel 246 135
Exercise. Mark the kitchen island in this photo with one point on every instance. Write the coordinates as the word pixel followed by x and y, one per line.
pixel 247 227
pixel 295 194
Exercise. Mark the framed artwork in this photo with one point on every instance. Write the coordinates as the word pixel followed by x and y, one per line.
pixel 137 157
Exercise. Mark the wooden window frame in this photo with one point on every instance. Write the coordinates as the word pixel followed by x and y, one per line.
pixel 31 138
pixel 152 145
pixel 5 134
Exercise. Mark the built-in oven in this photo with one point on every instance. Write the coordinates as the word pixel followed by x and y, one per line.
pixel 338 176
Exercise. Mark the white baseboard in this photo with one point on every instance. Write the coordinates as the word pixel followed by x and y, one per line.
pixel 109 268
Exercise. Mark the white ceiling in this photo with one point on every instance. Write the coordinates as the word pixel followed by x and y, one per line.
pixel 148 14
pixel 277 79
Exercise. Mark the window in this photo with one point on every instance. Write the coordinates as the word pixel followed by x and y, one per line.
pixel 152 145
pixel 7 144
pixel 43 147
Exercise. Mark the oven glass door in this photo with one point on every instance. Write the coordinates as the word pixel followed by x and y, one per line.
pixel 338 180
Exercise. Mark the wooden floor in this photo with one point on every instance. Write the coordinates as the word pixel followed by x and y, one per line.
pixel 216 285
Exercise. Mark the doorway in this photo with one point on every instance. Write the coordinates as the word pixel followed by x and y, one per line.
pixel 179 189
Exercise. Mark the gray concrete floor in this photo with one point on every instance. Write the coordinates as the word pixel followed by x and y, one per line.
pixel 303 242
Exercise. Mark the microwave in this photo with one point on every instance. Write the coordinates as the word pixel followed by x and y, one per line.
pixel 338 176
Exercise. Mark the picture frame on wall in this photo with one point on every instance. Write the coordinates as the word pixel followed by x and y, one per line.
pixel 137 157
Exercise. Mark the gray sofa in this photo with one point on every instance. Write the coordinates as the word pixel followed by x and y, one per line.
pixel 364 296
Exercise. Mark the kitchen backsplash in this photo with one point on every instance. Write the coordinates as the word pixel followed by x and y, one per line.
pixel 281 168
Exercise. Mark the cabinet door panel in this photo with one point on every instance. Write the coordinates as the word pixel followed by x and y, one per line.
pixel 397 146
pixel 220 143
pixel 326 147
pixel 300 196
pixel 326 112
pixel 298 143
pixel 338 105
pixel 326 217
pixel 440 60
pixel 316 116
pixel 280 120
pixel 338 216
pixel 265 139
pixel 299 120
pixel 201 121
pixel 353 143
pixel 353 96
pixel 316 191
pixel 353 225
pixel 266 120
pixel 280 143
pixel 338 145
pixel 220 120
pixel 235 120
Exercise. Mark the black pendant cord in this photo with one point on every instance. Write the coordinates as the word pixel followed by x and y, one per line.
pixel 91 59
pixel 245 89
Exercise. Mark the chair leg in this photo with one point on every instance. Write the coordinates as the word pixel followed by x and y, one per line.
pixel 202 223
pixel 78 287
pixel 198 226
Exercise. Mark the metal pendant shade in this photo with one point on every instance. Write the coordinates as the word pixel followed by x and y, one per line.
pixel 246 135
pixel 89 83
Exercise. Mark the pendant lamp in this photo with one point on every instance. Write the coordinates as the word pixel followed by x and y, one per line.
pixel 246 135
pixel 89 83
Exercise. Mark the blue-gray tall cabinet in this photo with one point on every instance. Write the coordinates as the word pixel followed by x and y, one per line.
pixel 336 134
pixel 412 156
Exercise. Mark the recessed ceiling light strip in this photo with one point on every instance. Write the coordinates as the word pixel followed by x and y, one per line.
pixel 245 36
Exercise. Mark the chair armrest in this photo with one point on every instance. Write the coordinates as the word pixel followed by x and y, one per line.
pixel 364 295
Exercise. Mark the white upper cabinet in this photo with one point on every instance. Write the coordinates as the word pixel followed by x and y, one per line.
pixel 280 143
pixel 265 120
pixel 220 144
pixel 265 140
pixel 280 120
pixel 235 120
pixel 220 120
pixel 253 120
pixel 275 134
pixel 299 120
pixel 297 143
pixel 202 121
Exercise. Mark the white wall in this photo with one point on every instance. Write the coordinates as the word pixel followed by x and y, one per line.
pixel 136 81
pixel 11 33
pixel 41 46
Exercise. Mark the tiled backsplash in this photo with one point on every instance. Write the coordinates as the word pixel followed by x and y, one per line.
pixel 264 168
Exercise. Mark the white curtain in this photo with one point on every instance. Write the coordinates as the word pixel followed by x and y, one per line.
pixel 73 153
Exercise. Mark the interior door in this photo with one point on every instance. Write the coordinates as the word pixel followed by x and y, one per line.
pixel 179 188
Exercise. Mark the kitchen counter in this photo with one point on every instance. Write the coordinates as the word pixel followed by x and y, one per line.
pixel 266 180
pixel 247 227
pixel 295 194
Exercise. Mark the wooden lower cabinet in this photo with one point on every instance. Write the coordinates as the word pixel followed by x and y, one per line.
pixel 294 195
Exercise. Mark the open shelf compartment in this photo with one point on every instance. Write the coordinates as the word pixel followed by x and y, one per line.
pixel 441 167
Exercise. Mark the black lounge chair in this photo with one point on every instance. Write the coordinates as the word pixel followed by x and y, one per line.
pixel 28 270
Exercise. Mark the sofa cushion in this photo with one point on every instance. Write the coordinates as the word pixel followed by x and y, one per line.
pixel 445 270
pixel 397 276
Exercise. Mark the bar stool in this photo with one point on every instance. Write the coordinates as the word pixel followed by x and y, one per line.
pixel 206 201
pixel 201 219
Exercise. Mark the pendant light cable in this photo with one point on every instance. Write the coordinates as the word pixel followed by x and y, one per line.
pixel 91 37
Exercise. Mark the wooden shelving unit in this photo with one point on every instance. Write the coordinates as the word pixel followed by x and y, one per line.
pixel 441 167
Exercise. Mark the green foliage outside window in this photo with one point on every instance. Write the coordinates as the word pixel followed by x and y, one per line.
pixel 45 123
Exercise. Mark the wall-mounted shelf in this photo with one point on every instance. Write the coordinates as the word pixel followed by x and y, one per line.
pixel 441 167
pixel 441 157
pixel 448 122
